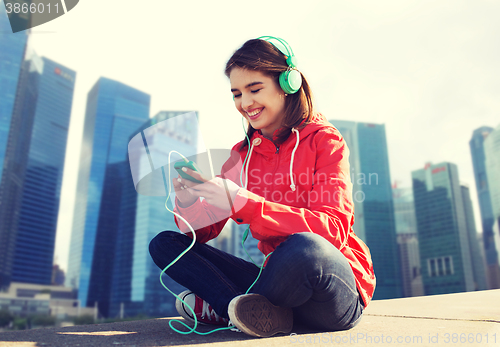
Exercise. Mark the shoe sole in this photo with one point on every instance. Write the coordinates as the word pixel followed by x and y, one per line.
pixel 179 306
pixel 254 315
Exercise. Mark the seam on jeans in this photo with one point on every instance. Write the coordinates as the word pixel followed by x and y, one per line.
pixel 353 324
pixel 341 280
pixel 355 300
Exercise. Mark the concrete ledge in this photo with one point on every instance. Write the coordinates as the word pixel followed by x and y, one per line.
pixel 466 319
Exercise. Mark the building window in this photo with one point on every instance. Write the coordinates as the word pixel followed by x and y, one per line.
pixel 441 266
pixel 440 270
pixel 432 267
pixel 448 262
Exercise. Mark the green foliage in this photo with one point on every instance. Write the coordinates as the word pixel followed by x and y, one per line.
pixel 5 318
pixel 85 319
pixel 20 323
pixel 43 321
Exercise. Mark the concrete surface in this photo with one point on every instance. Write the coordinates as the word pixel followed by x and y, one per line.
pixel 463 319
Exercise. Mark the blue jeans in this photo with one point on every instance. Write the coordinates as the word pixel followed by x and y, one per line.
pixel 305 272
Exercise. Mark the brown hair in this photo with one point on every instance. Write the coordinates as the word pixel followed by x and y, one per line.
pixel 261 55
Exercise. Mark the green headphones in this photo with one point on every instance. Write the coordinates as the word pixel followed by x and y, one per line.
pixel 290 80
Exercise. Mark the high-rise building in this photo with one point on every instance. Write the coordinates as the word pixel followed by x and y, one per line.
pixel 492 163
pixel 404 210
pixel 407 237
pixel 478 262
pixel 33 167
pixel 248 250
pixel 136 287
pixel 442 230
pixel 42 182
pixel 477 149
pixel 12 52
pixel 114 112
pixel 373 202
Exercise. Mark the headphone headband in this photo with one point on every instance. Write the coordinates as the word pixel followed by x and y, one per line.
pixel 290 80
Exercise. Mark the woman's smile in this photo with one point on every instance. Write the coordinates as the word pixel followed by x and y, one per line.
pixel 255 113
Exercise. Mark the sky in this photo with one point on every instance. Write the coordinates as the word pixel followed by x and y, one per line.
pixel 428 70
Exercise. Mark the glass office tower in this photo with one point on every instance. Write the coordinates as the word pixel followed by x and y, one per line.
pixel 407 237
pixel 442 230
pixel 33 167
pixel 492 163
pixel 12 51
pixel 114 112
pixel 478 262
pixel 41 188
pixel 476 145
pixel 249 250
pixel 373 201
pixel 136 287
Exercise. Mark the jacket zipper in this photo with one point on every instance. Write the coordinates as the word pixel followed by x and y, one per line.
pixel 277 149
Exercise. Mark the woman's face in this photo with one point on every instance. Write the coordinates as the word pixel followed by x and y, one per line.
pixel 259 99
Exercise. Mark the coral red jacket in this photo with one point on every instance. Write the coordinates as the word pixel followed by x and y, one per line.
pixel 320 202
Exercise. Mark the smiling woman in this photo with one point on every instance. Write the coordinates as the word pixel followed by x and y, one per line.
pixel 263 62
pixel 297 199
pixel 259 99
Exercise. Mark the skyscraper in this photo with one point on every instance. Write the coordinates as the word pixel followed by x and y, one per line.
pixel 33 167
pixel 492 163
pixel 373 202
pixel 442 230
pixel 478 263
pixel 477 149
pixel 41 189
pixel 407 237
pixel 12 51
pixel 136 288
pixel 114 112
pixel 249 250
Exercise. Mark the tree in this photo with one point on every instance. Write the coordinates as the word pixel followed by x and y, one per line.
pixel 5 318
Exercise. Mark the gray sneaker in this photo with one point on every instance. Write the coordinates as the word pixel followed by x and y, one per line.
pixel 254 315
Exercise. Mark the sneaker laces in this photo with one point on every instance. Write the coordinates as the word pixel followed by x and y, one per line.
pixel 230 324
pixel 207 312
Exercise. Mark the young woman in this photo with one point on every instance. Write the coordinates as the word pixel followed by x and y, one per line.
pixel 296 197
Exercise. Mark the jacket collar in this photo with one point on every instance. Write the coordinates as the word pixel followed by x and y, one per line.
pixel 267 146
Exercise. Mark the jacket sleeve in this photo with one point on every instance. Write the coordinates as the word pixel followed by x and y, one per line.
pixel 330 207
pixel 206 220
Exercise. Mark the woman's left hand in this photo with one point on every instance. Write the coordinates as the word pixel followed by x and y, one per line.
pixel 218 192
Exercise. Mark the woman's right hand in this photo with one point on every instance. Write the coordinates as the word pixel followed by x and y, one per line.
pixel 184 197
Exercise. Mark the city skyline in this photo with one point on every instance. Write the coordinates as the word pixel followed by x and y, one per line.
pixel 427 71
pixel 114 112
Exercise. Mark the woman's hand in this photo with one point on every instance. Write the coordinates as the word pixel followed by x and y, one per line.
pixel 217 192
pixel 184 197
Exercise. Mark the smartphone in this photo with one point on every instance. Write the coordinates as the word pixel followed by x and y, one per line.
pixel 190 165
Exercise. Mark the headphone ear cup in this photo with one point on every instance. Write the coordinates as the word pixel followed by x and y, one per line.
pixel 290 81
